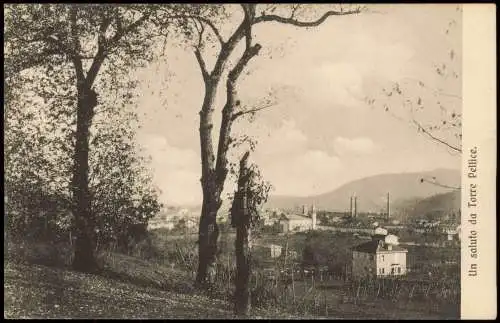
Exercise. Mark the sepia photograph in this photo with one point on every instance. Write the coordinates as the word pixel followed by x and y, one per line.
pixel 227 161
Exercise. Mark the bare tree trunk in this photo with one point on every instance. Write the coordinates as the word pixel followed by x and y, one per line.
pixel 208 235
pixel 84 259
pixel 240 217
pixel 243 271
pixel 208 232
pixel 214 172
pixel 214 168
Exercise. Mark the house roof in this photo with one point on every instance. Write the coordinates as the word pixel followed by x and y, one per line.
pixel 373 246
pixel 379 237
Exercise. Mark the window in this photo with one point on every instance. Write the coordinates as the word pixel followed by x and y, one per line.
pixel 382 257
pixel 399 270
pixel 392 271
pixel 371 257
pixel 381 271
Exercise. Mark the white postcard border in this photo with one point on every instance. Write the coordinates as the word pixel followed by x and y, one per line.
pixel 478 264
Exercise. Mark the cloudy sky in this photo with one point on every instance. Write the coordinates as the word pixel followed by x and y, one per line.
pixel 320 133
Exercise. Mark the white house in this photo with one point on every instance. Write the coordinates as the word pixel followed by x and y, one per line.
pixel 379 257
pixel 452 231
pixel 379 231
pixel 157 224
pixel 269 222
pixel 296 222
pixel 275 250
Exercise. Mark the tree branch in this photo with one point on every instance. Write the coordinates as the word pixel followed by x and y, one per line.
pixel 94 68
pixel 202 20
pixel 231 102
pixel 76 46
pixel 295 7
pixel 130 28
pixel 295 22
pixel 434 182
pixel 101 38
pixel 435 91
pixel 212 26
pixel 243 160
pixel 201 30
pixel 249 10
pixel 104 48
pixel 241 113
pixel 201 62
pixel 457 149
pixel 197 51
pixel 227 49
pixel 243 61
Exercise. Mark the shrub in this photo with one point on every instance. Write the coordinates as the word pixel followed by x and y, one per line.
pixel 41 253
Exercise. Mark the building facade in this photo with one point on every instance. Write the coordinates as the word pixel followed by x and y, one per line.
pixel 275 250
pixel 296 222
pixel 380 257
pixel 152 225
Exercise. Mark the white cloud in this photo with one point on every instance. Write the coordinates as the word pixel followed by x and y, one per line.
pixel 176 170
pixel 361 145
pixel 334 73
pixel 313 171
pixel 322 71
pixel 337 82
pixel 286 139
pixel 181 187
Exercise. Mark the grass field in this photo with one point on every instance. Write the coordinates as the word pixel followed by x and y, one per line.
pixel 38 284
pixel 128 287
pixel 35 291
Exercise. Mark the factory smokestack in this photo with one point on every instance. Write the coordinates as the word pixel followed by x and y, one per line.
pixel 351 211
pixel 388 206
pixel 355 206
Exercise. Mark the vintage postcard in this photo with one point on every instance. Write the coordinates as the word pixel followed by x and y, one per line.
pixel 260 161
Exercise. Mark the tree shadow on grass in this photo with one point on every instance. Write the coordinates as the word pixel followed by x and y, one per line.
pixel 152 279
pixel 128 278
pixel 38 291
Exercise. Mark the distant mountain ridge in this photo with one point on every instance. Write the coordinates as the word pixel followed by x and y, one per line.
pixel 372 192
pixel 431 208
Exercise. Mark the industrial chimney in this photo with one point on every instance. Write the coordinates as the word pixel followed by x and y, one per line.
pixel 388 206
pixel 351 211
pixel 355 206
